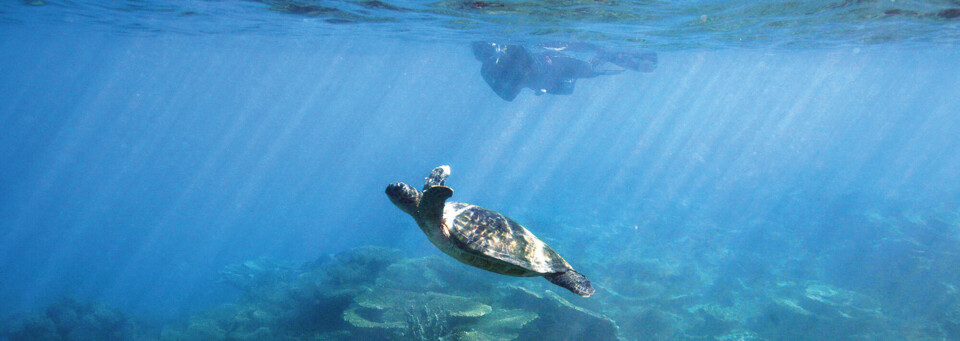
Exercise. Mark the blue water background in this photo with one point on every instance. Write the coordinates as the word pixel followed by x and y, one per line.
pixel 134 167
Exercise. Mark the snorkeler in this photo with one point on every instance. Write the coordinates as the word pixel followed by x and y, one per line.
pixel 510 68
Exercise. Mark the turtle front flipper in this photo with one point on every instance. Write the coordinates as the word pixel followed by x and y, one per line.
pixel 430 209
pixel 437 177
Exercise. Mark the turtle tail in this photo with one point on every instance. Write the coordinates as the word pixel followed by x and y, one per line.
pixel 573 281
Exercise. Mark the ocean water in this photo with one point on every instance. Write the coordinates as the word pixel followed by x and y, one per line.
pixel 215 170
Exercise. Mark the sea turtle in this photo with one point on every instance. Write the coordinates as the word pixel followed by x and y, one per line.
pixel 480 237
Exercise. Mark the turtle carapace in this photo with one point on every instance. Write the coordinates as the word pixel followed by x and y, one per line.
pixel 480 237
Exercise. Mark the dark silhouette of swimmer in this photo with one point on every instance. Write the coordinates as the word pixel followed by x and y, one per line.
pixel 510 68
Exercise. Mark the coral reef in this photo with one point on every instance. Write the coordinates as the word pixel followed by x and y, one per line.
pixel 816 311
pixel 373 293
pixel 558 319
pixel 432 316
pixel 69 319
pixel 855 272
pixel 891 275
pixel 257 274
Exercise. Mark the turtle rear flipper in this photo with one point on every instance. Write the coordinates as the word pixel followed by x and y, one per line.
pixel 573 281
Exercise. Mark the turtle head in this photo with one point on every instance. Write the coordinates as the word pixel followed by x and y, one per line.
pixel 404 197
